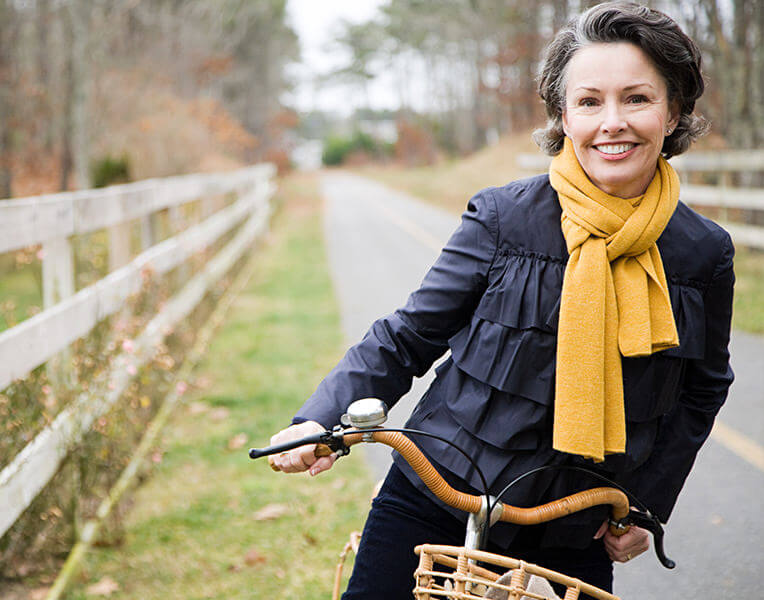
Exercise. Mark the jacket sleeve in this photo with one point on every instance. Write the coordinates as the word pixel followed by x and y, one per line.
pixel 684 430
pixel 407 342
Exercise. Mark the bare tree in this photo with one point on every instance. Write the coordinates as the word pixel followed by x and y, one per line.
pixel 8 29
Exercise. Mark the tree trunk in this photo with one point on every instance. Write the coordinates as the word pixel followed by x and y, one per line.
pixel 7 32
pixel 743 117
pixel 67 117
pixel 79 11
pixel 42 24
pixel 758 71
pixel 560 16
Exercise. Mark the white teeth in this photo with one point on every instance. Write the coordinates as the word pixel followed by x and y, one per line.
pixel 614 148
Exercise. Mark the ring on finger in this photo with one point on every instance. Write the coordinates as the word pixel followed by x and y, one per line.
pixel 628 556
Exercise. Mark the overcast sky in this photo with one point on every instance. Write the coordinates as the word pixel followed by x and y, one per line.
pixel 314 21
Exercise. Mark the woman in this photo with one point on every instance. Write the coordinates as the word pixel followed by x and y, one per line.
pixel 587 313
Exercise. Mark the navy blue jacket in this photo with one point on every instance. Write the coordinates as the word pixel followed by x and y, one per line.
pixel 493 298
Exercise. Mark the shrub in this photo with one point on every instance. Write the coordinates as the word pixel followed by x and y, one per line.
pixel 109 170
pixel 338 149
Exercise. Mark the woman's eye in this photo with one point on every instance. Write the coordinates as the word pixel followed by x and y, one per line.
pixel 637 99
pixel 587 102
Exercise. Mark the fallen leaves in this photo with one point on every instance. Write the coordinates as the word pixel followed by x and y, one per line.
pixel 106 586
pixel 203 382
pixel 237 441
pixel 252 558
pixel 270 512
pixel 198 408
pixel 219 414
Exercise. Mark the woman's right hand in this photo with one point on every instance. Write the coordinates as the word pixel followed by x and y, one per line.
pixel 302 458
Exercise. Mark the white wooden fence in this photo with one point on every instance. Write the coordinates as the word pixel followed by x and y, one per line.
pixel 717 196
pixel 68 316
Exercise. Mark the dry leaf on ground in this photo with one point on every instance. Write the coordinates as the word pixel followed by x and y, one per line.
pixel 38 593
pixel 271 511
pixel 310 539
pixel 237 441
pixel 197 408
pixel 219 414
pixel 203 382
pixel 339 483
pixel 253 557
pixel 105 587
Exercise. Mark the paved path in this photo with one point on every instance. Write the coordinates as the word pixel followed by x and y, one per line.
pixel 381 243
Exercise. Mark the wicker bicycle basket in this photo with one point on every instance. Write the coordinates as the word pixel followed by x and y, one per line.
pixel 457 573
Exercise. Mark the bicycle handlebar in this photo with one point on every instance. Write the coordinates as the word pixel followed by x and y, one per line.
pixel 339 440
pixel 454 498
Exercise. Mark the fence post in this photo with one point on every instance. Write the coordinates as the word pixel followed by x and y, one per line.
pixel 57 285
pixel 148 231
pixel 57 271
pixel 119 245
pixel 725 182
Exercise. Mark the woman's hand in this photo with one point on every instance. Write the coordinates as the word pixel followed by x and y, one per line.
pixel 302 458
pixel 623 548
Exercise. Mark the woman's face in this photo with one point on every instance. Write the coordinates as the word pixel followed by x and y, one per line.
pixel 616 114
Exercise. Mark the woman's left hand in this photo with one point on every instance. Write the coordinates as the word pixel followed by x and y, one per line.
pixel 625 547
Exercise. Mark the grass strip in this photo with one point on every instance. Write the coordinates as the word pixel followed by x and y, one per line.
pixel 748 313
pixel 198 528
pixel 128 475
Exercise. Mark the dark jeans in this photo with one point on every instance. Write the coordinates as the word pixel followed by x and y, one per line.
pixel 402 518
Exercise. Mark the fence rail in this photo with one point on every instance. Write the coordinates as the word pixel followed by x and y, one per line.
pixel 35 220
pixel 710 196
pixel 38 339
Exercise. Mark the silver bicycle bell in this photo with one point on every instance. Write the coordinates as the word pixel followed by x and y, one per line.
pixel 366 413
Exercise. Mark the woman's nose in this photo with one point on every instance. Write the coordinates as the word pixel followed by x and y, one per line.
pixel 613 119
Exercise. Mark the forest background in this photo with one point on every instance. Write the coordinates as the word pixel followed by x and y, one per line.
pixel 129 89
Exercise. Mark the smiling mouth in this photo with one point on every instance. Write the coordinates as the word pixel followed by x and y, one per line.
pixel 614 149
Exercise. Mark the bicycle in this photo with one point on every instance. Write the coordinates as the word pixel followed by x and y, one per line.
pixel 461 572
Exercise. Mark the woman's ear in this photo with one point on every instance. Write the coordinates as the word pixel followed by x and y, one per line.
pixel 564 117
pixel 674 114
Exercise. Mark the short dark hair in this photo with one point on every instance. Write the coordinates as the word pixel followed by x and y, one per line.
pixel 673 53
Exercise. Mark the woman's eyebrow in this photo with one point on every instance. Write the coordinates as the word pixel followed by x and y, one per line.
pixel 637 85
pixel 626 89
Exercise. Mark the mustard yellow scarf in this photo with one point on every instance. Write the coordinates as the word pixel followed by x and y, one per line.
pixel 614 301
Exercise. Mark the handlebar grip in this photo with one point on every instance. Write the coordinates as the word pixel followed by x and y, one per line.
pixel 321 450
pixel 286 446
pixel 568 505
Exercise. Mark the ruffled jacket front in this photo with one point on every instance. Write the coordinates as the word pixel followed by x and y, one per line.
pixel 492 298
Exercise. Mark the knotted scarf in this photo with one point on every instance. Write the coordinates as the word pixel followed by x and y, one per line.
pixel 614 301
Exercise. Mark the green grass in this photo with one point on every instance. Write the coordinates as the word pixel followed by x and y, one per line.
pixel 191 526
pixel 748 312
pixel 20 293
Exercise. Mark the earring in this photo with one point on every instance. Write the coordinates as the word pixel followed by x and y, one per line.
pixel 669 131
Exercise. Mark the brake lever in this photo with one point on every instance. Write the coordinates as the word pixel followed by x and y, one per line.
pixel 334 439
pixel 650 522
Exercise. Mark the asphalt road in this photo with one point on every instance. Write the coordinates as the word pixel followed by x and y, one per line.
pixel 381 243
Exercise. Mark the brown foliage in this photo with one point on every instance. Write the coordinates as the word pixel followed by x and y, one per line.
pixel 213 67
pixel 163 133
pixel 415 145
